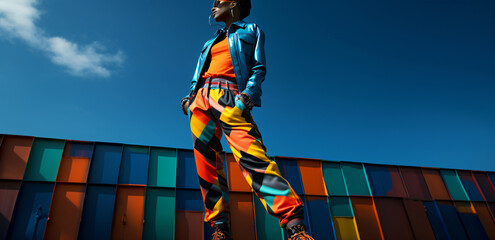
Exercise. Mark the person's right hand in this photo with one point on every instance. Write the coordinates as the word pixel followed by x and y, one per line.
pixel 185 107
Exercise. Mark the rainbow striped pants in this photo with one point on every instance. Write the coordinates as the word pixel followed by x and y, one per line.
pixel 215 109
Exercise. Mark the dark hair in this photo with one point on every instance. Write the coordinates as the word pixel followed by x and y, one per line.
pixel 244 7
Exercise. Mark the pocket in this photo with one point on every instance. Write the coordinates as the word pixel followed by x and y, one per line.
pixel 239 103
pixel 246 43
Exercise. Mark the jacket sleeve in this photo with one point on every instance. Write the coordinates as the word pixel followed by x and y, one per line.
pixel 194 79
pixel 258 70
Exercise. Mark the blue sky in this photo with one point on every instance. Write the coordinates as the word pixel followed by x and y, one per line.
pixel 393 82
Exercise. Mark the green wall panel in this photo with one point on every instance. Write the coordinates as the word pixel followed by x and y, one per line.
pixel 334 180
pixel 340 207
pixel 454 185
pixel 44 160
pixel 355 179
pixel 163 167
pixel 159 214
pixel 267 226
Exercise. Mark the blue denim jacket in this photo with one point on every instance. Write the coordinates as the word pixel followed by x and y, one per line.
pixel 247 50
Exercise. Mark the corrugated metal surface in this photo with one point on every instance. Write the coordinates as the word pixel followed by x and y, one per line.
pixel 58 189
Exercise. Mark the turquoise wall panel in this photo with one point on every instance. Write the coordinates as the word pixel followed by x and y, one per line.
pixel 267 227
pixel 159 214
pixel 453 184
pixel 163 167
pixel 355 179
pixel 334 179
pixel 340 206
pixel 44 160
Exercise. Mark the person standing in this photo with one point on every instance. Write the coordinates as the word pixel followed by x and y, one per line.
pixel 225 87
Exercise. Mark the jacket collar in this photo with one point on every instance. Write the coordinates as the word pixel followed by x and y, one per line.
pixel 239 23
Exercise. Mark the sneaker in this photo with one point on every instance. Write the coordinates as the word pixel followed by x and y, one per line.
pixel 221 232
pixel 298 232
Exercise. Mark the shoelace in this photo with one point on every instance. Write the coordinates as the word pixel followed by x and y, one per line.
pixel 301 236
pixel 218 235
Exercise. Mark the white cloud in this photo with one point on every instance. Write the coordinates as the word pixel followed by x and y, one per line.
pixel 18 20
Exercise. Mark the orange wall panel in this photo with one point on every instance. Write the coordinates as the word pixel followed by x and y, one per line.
pixel 435 184
pixel 189 225
pixel 8 195
pixel 65 212
pixel 312 177
pixel 14 154
pixel 486 218
pixel 237 182
pixel 128 214
pixel 73 169
pixel 420 223
pixel 366 218
pixel 242 216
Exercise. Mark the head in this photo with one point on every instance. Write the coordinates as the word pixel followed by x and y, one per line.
pixel 230 10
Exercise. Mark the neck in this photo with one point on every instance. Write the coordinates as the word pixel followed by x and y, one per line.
pixel 229 22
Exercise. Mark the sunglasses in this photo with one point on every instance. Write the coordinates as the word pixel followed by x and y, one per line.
pixel 218 2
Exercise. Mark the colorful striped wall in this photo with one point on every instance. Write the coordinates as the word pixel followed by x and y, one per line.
pixel 63 189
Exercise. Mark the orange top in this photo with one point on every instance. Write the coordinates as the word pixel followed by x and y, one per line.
pixel 221 63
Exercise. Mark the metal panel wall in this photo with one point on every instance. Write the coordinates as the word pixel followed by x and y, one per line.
pixel 8 196
pixel 98 211
pixel 159 213
pixel 105 164
pixel 355 178
pixel 312 177
pixel 143 192
pixel 290 170
pixel 163 167
pixel 14 154
pixel 385 181
pixel 44 160
pixel 334 179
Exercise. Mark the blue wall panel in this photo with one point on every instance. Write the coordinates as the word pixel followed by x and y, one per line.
pixel 290 171
pixel 134 169
pixel 473 226
pixel 97 213
pixel 453 222
pixel 436 221
pixel 105 164
pixel 187 176
pixel 379 179
pixel 79 149
pixel 31 211
pixel 189 200
pixel 320 218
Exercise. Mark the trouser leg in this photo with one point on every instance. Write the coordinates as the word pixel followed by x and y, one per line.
pixel 261 173
pixel 206 134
